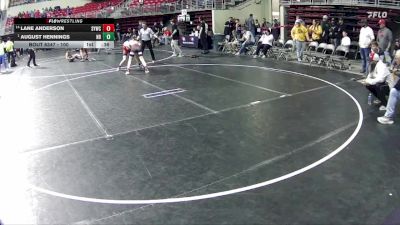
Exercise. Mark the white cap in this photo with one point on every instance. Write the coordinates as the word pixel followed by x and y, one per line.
pixel 325 17
pixel 298 21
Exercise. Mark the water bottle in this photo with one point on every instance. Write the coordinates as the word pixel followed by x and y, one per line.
pixel 370 99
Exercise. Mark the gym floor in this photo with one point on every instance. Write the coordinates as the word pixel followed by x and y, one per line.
pixel 207 140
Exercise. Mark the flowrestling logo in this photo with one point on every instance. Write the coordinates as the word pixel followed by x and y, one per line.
pixel 377 14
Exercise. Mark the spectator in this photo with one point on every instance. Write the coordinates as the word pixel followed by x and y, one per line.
pixel 3 57
pixel 250 25
pixel 394 94
pixel 203 35
pixel 315 30
pixel 167 36
pixel 340 29
pixel 325 29
pixel 118 31
pixel 257 27
pixel 265 43
pixel 365 39
pixel 264 23
pixel 345 42
pixel 333 32
pixel 238 28
pixel 384 38
pixel 10 52
pixel 375 81
pixel 229 26
pixel 175 39
pixel 276 30
pixel 248 39
pixel 299 34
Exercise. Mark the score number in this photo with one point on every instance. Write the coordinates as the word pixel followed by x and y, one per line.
pixel 108 28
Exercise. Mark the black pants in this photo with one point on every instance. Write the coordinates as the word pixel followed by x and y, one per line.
pixel 11 58
pixel 32 56
pixel 380 91
pixel 150 46
pixel 264 48
pixel 204 43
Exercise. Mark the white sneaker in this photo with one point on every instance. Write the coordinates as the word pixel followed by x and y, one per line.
pixel 298 59
pixel 237 53
pixel 255 57
pixel 180 55
pixel 385 120
pixel 382 108
pixel 173 55
pixel 263 56
pixel 119 68
pixel 146 70
pixel 127 72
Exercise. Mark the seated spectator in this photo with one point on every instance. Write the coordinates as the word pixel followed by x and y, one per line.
pixel 396 47
pixel 247 40
pixel 376 80
pixel 345 42
pixel 394 95
pixel 265 43
pixel 376 50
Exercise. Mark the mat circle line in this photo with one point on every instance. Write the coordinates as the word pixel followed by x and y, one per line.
pixel 232 191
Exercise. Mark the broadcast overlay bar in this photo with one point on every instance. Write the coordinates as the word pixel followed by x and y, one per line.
pixel 64 33
pixel 64 44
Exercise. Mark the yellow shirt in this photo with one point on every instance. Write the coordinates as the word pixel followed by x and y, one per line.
pixel 315 31
pixel 9 46
pixel 299 33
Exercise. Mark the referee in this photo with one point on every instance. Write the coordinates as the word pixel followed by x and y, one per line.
pixel 145 34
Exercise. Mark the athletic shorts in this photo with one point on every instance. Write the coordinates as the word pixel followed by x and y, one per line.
pixel 125 50
pixel 136 52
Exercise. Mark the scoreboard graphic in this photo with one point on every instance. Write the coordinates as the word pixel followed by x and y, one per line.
pixel 64 33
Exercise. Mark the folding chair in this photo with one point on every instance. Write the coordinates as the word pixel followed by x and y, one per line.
pixel 339 59
pixel 287 48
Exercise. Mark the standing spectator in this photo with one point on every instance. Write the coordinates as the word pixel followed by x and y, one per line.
pixel 333 32
pixel 3 57
pixel 248 39
pixel 325 29
pixel 175 40
pixel 145 35
pixel 118 31
pixel 276 30
pixel 365 39
pixel 229 26
pixel 238 28
pixel 250 25
pixel 340 28
pixel 385 38
pixel 394 94
pixel 299 34
pixel 345 42
pixel 264 23
pixel 315 30
pixel 10 52
pixel 32 56
pixel 258 27
pixel 203 35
